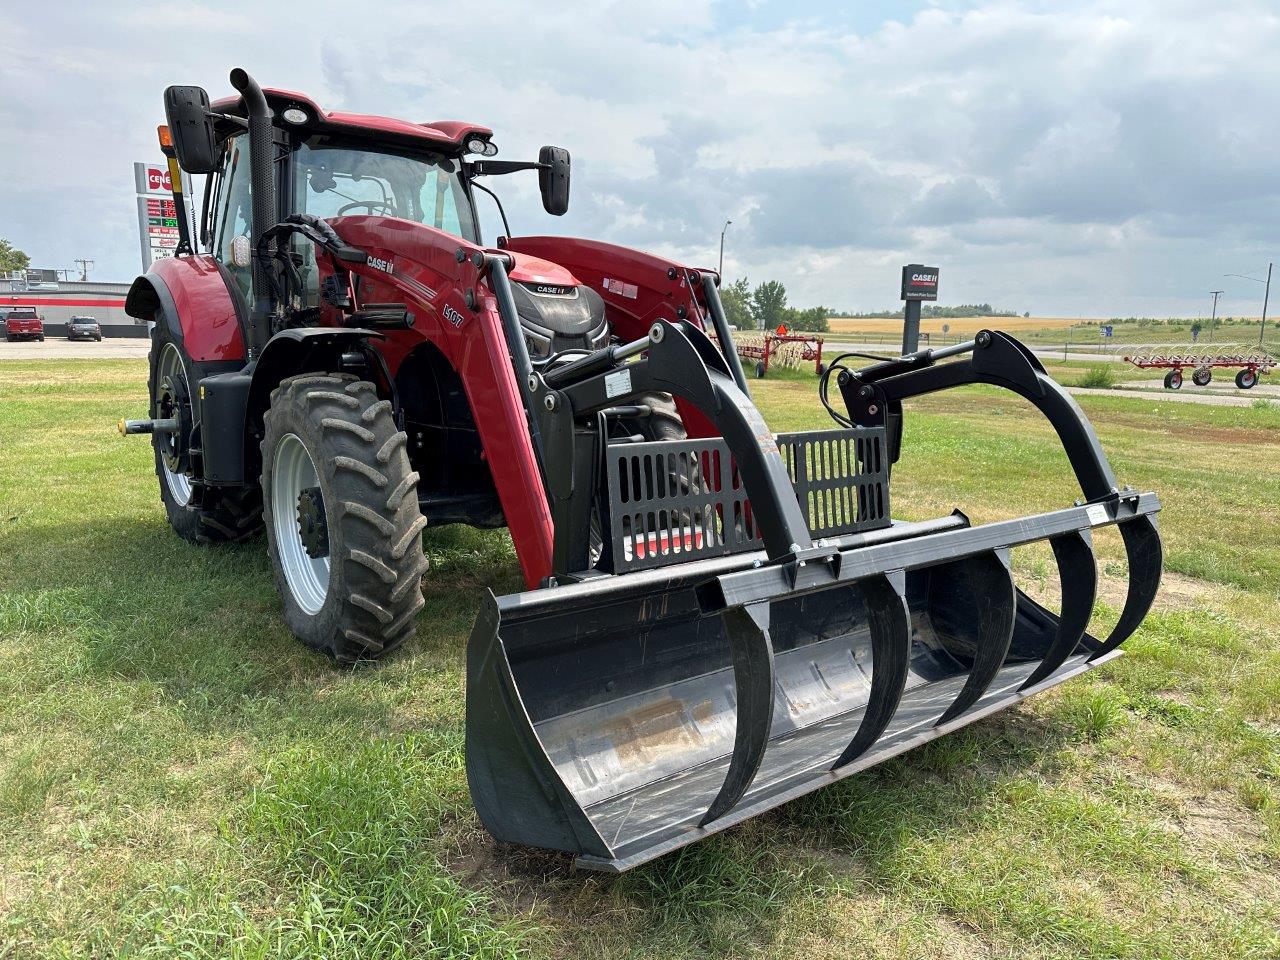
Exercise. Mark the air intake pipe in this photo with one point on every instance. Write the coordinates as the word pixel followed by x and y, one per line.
pixel 263 185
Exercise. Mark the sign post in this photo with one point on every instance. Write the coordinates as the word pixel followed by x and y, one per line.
pixel 918 283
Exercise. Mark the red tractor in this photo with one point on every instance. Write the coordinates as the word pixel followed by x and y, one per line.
pixel 717 618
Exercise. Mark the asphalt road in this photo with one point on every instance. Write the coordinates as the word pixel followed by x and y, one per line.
pixel 833 347
pixel 59 348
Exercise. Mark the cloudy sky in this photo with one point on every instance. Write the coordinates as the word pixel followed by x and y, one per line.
pixel 1068 158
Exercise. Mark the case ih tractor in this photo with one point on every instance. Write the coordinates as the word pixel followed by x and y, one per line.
pixel 717 619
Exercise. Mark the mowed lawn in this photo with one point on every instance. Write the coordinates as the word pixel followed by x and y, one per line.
pixel 178 778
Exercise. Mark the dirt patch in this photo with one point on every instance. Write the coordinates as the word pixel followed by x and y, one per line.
pixel 1214 822
pixel 1177 592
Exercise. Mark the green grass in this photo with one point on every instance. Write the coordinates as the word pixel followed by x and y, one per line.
pixel 179 779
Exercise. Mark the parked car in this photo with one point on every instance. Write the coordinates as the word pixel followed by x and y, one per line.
pixel 83 328
pixel 22 323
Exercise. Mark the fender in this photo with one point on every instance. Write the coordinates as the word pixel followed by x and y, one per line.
pixel 199 303
pixel 287 354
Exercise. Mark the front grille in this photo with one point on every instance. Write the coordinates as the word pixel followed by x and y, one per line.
pixel 678 500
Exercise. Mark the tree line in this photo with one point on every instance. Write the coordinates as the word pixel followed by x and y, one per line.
pixel 933 310
pixel 765 308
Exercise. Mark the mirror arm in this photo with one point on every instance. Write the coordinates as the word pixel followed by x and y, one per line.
pixel 496 168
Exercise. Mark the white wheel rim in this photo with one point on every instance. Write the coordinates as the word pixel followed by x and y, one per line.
pixel 292 472
pixel 171 366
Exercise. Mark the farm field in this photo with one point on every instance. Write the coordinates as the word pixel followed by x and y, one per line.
pixel 1079 335
pixel 178 778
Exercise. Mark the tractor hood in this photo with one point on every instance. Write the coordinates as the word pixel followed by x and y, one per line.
pixel 536 272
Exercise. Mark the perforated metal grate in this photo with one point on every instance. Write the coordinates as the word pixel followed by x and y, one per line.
pixel 683 500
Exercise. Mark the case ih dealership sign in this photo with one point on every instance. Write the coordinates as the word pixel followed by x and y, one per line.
pixel 157 217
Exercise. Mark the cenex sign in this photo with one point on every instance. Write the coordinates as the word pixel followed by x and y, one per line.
pixel 157 217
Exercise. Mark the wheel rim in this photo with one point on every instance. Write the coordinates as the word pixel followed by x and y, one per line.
pixel 293 472
pixel 171 366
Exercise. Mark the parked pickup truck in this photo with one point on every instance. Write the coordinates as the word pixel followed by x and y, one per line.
pixel 22 323
pixel 84 328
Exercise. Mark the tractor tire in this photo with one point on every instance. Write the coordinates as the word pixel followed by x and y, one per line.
pixel 1173 380
pixel 1202 376
pixel 1246 379
pixel 343 527
pixel 197 514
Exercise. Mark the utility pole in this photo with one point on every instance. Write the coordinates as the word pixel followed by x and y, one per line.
pixel 1266 296
pixel 1213 322
pixel 726 227
pixel 1262 330
pixel 85 266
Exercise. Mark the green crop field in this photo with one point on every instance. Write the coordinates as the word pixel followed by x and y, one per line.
pixel 178 778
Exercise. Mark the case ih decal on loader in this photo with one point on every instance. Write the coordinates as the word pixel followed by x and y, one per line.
pixel 717 619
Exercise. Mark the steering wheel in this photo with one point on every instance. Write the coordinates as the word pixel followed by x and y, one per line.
pixel 387 208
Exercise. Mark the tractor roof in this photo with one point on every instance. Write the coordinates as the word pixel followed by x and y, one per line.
pixel 446 135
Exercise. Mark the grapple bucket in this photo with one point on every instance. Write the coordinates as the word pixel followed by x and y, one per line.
pixel 625 716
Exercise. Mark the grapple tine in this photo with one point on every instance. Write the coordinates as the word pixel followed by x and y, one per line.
pixel 747 629
pixel 890 626
pixel 1146 559
pixel 991 582
pixel 1078 574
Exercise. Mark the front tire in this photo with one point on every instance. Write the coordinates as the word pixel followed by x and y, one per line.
pixel 343 526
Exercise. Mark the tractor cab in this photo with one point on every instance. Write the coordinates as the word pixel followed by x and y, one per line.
pixel 342 165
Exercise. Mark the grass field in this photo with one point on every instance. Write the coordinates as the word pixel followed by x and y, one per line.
pixel 179 779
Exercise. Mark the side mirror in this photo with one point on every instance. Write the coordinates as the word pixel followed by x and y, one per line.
pixel 186 110
pixel 553 180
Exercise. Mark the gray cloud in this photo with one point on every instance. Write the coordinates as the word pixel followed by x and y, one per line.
pixel 1098 157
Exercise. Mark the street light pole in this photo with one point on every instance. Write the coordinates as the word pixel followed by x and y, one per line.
pixel 1213 323
pixel 726 227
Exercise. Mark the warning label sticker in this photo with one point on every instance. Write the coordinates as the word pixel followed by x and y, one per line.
pixel 621 288
pixel 617 383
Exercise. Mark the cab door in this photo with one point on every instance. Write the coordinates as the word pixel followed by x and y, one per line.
pixel 232 213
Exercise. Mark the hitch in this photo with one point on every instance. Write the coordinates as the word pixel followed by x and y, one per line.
pixel 130 428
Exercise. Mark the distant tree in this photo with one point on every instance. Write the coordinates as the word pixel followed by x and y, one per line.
pixel 1026 313
pixel 736 298
pixel 809 320
pixel 11 258
pixel 769 301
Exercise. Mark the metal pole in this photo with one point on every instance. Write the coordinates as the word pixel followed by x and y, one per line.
pixel 911 327
pixel 1213 322
pixel 725 227
pixel 1265 297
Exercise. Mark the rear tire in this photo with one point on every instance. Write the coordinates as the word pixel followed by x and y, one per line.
pixel 348 563
pixel 1246 379
pixel 198 514
pixel 1173 380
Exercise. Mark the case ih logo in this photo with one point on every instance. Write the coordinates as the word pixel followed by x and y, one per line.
pixel 919 282
pixel 550 290
pixel 452 315
pixel 386 266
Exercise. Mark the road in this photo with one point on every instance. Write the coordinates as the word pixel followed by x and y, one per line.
pixel 833 347
pixel 58 348
pixel 1217 394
